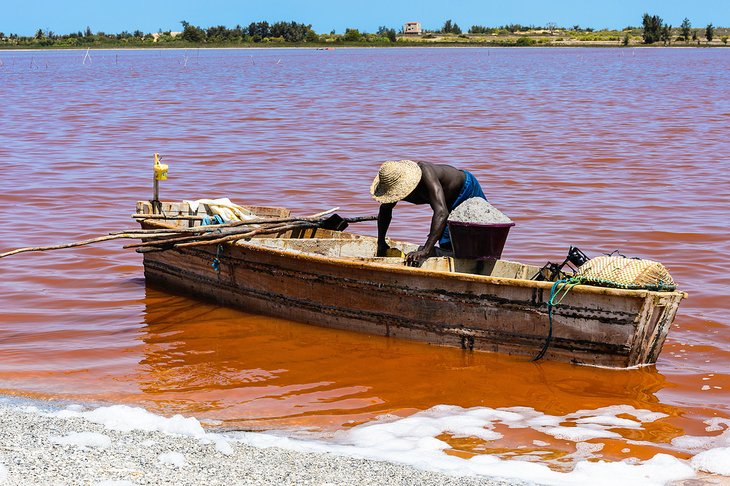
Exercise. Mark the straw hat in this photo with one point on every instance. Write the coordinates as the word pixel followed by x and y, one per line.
pixel 395 180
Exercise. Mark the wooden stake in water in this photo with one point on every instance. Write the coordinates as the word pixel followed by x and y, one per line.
pixel 87 56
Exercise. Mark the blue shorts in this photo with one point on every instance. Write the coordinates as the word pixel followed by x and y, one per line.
pixel 470 189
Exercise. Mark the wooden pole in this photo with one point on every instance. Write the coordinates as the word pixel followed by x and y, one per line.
pixel 250 234
pixel 233 232
pixel 75 244
pixel 211 235
pixel 165 216
pixel 202 229
pixel 200 235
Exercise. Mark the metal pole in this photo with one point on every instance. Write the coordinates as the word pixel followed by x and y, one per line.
pixel 155 196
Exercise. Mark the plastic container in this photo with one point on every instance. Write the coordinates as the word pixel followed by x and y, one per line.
pixel 477 241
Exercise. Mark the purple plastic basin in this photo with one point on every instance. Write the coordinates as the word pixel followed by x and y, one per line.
pixel 478 241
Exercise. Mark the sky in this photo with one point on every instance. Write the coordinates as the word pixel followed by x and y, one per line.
pixel 113 16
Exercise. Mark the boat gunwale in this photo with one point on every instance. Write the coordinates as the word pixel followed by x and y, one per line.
pixel 439 275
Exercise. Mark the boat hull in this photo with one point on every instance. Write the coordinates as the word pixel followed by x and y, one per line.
pixel 592 325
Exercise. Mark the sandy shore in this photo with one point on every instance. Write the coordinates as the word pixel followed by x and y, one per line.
pixel 37 447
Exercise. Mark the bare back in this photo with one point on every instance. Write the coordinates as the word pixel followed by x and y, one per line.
pixel 449 178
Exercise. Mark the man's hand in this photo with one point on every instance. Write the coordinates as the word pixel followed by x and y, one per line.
pixel 382 248
pixel 416 258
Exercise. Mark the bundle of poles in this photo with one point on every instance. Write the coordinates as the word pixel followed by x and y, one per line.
pixel 169 238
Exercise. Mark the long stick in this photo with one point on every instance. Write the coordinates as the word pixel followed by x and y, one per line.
pixel 303 223
pixel 250 234
pixel 203 229
pixel 236 223
pixel 164 216
pixel 208 228
pixel 173 236
pixel 197 229
pixel 77 243
pixel 181 239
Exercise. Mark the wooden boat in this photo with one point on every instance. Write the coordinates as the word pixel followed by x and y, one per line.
pixel 331 278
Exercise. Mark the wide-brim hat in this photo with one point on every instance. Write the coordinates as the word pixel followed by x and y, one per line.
pixel 395 180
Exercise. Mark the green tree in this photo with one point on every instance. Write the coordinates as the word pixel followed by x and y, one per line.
pixel 192 33
pixel 290 31
pixel 312 36
pixel 480 29
pixel 219 33
pixel 686 27
pixel 259 30
pixel 709 32
pixel 352 35
pixel 39 34
pixel 652 28
pixel 724 39
pixel 666 34
pixel 626 39
pixel 87 32
pixel 384 31
pixel 450 28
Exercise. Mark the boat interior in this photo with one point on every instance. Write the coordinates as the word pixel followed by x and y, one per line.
pixel 333 244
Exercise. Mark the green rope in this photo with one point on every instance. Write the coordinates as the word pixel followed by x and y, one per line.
pixel 557 293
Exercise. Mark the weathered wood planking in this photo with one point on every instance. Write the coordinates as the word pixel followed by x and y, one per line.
pixel 331 279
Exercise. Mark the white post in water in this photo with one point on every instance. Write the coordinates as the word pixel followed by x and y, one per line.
pixel 159 174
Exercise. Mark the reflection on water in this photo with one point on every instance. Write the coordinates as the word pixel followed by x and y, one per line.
pixel 259 372
pixel 598 148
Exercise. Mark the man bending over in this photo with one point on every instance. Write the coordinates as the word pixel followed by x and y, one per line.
pixel 441 186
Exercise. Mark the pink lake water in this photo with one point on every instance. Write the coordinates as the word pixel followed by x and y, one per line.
pixel 604 149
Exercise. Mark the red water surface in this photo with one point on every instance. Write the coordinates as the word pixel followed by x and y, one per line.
pixel 601 148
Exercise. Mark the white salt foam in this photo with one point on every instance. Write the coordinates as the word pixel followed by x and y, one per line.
pixel 414 440
pixel 124 418
pixel 84 440
pixel 692 443
pixel 223 446
pixel 715 461
pixel 172 459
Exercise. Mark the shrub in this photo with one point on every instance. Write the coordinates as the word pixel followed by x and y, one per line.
pixel 525 41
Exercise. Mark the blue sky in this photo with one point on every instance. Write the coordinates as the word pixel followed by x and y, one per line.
pixel 62 17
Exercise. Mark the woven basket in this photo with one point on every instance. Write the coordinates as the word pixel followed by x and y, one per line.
pixel 625 273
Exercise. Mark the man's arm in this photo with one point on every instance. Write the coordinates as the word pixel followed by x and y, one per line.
pixel 437 201
pixel 385 215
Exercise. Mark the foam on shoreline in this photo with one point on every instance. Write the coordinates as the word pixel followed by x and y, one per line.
pixel 412 441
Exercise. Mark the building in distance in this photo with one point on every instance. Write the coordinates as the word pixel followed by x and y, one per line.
pixel 412 28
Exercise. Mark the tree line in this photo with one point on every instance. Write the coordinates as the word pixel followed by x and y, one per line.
pixel 655 30
pixel 253 33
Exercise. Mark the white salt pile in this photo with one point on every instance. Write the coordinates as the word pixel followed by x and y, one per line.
pixel 478 210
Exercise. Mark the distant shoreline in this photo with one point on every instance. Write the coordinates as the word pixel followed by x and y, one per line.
pixel 581 45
